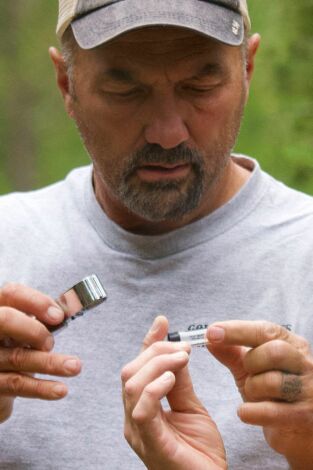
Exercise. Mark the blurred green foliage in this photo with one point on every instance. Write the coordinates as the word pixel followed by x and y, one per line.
pixel 39 144
pixel 278 126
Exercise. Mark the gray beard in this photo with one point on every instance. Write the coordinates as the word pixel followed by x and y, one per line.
pixel 164 200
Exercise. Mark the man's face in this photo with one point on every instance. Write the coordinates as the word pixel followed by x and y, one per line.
pixel 159 110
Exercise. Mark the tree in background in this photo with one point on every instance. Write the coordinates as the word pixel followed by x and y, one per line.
pixel 18 94
pixel 39 144
pixel 279 122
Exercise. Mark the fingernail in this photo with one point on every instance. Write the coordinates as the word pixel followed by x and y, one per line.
pixel 71 365
pixel 60 390
pixel 154 326
pixel 216 334
pixel 55 313
pixel 181 355
pixel 167 376
pixel 49 343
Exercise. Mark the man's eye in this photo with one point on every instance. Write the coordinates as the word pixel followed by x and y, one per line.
pixel 126 94
pixel 198 90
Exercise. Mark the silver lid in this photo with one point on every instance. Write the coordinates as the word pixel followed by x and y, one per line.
pixel 84 295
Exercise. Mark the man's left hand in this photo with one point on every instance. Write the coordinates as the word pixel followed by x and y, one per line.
pixel 273 370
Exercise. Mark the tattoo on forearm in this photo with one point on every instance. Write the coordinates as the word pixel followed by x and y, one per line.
pixel 291 387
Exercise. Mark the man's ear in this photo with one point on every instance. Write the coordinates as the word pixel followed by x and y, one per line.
pixel 62 78
pixel 252 48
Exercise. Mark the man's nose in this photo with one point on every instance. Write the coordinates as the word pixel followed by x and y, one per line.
pixel 166 126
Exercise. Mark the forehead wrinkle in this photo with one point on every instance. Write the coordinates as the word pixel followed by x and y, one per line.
pixel 169 50
pixel 135 75
pixel 155 47
pixel 121 62
pixel 124 66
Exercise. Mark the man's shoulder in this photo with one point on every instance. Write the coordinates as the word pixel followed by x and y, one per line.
pixel 42 211
pixel 287 199
pixel 286 214
pixel 272 203
pixel 49 196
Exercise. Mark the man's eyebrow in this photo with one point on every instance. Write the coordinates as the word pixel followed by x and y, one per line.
pixel 212 69
pixel 119 75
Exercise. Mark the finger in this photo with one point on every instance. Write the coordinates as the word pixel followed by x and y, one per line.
pixel 28 360
pixel 269 413
pixel 23 329
pixel 252 334
pixel 19 385
pixel 156 349
pixel 232 357
pixel 31 302
pixel 275 355
pixel 182 396
pixel 134 387
pixel 145 425
pixel 274 386
pixel 148 405
pixel 147 415
pixel 157 332
pixel 6 408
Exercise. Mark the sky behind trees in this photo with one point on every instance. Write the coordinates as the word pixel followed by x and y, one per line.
pixel 39 144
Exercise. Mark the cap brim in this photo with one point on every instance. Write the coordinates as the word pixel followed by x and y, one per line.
pixel 106 23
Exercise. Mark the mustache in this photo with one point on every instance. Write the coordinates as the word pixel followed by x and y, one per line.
pixel 154 153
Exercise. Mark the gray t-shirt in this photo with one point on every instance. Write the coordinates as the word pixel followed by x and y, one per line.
pixel 250 259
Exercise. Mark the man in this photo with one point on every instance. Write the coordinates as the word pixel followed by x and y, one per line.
pixel 171 222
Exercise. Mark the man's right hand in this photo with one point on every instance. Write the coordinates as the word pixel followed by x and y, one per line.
pixel 180 438
pixel 25 348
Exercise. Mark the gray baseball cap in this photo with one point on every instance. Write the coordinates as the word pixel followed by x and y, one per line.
pixel 95 22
